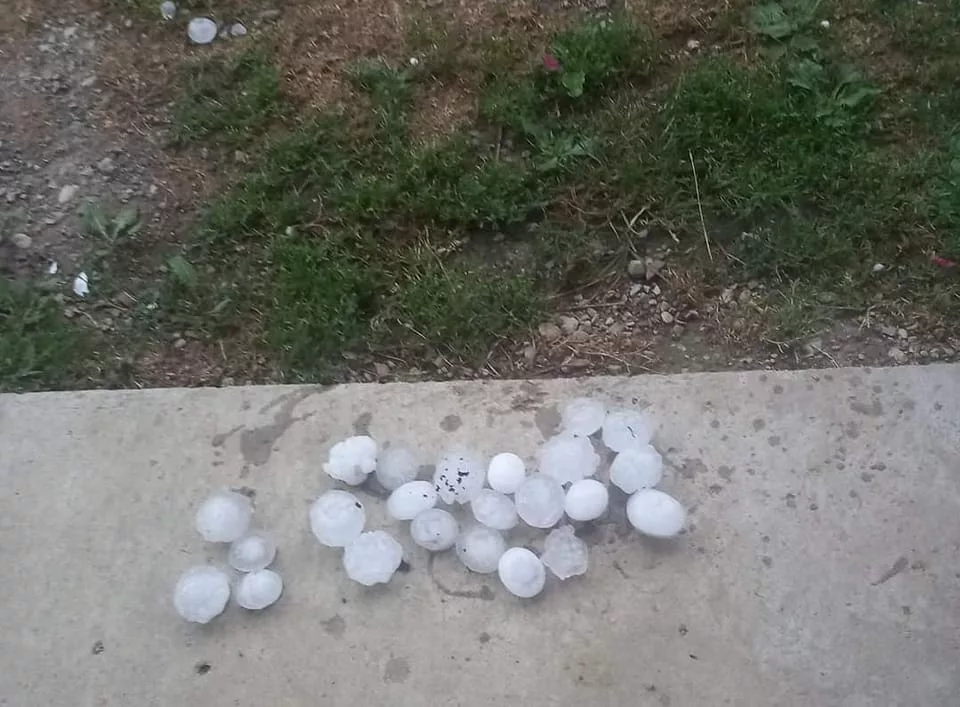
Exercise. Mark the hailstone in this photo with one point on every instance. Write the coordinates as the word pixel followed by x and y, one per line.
pixel 480 548
pixel 259 589
pixel 586 499
pixel 352 460
pixel 540 501
pixel 201 593
pixel 372 558
pixel 434 529
pixel 224 517
pixel 412 498
pixel 254 551
pixel 521 572
pixel 583 416
pixel 396 466
pixel 459 475
pixel 637 468
pixel 624 429
pixel 506 472
pixel 494 510
pixel 567 458
pixel 337 518
pixel 202 30
pixel 564 553
pixel 655 513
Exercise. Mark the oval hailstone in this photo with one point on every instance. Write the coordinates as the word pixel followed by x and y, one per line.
pixel 254 551
pixel 408 501
pixel 352 460
pixel 567 458
pixel 396 465
pixel 259 589
pixel 372 558
pixel 224 517
pixel 434 529
pixel 459 475
pixel 564 553
pixel 655 513
pixel 540 501
pixel 635 469
pixel 521 572
pixel 494 510
pixel 506 472
pixel 202 30
pixel 479 549
pixel 337 518
pixel 201 594
pixel 586 499
pixel 625 429
pixel 583 416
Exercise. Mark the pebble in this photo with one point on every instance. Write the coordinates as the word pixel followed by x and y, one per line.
pixel 637 269
pixel 67 193
pixel 549 332
pixel 22 240
pixel 106 165
pixel 897 355
pixel 666 317
pixel 179 343
pixel 693 45
pixel 569 325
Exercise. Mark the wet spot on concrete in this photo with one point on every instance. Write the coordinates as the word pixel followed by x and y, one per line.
pixel 202 668
pixel 877 388
pixel 256 444
pixel 791 500
pixel 905 610
pixel 691 468
pixel 765 539
pixel 751 471
pixel 774 440
pixel 874 409
pixel 767 561
pixel 814 507
pixel 397 670
pixel 335 626
pixel 97 648
pixel 451 423
pixel 715 489
pixel 220 438
pixel 715 424
pixel 759 424
pixel 484 592
pixel 725 472
pixel 919 565
pixel 866 476
pixel 153 462
pixel 484 637
pixel 778 389
pixel 879 466
pixel 547 420
pixel 361 426
pixel 938 407
pixel 899 565
pixel 854 494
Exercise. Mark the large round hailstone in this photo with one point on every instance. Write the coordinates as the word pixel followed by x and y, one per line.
pixel 626 429
pixel 202 30
pixel 583 416
pixel 479 549
pixel 459 475
pixel 337 518
pixel 352 460
pixel 372 558
pixel 655 513
pixel 539 501
pixel 521 572
pixel 586 499
pixel 224 517
pixel 564 553
pixel 254 551
pixel 411 499
pixel 635 469
pixel 434 529
pixel 396 465
pixel 506 472
pixel 567 458
pixel 494 510
pixel 201 593
pixel 259 589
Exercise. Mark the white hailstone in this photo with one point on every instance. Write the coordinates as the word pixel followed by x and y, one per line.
pixel 459 475
pixel 583 416
pixel 337 518
pixel 624 429
pixel 567 458
pixel 655 513
pixel 372 558
pixel 479 549
pixel 521 572
pixel 635 469
pixel 352 460
pixel 201 593
pixel 539 501
pixel 411 499
pixel 564 553
pixel 396 465
pixel 586 499
pixel 494 510
pixel 202 30
pixel 506 472
pixel 434 529
pixel 168 10
pixel 224 517
pixel 259 589
pixel 254 551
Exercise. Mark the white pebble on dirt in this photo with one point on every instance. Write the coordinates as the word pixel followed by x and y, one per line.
pixel 434 529
pixel 626 429
pixel 583 416
pixel 521 572
pixel 201 594
pixel 224 517
pixel 635 469
pixel 337 518
pixel 506 472
pixel 494 510
pixel 564 553
pixel 586 499
pixel 352 460
pixel 411 499
pixel 372 558
pixel 568 458
pixel 655 513
pixel 259 589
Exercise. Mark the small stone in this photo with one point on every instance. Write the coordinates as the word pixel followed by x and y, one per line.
pixel 269 15
pixel 382 369
pixel 693 45
pixel 666 317
pixel 179 343
pixel 238 29
pixel 569 325
pixel 530 353
pixel 549 332
pixel 655 290
pixel 897 355
pixel 902 333
pixel 637 269
pixel 889 331
pixel 106 165
pixel 67 193
pixel 22 240
pixel 879 267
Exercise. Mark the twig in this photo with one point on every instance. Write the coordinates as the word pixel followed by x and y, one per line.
pixel 703 224
pixel 821 351
pixel 496 155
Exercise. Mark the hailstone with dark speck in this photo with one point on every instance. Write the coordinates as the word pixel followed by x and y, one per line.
pixel 337 518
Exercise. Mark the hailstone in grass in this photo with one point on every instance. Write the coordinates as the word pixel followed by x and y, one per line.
pixel 567 458
pixel 372 558
pixel 626 429
pixel 434 529
pixel 583 416
pixel 586 499
pixel 540 501
pixel 396 465
pixel 337 518
pixel 637 468
pixel 459 475
pixel 254 551
pixel 412 498
pixel 494 510
pixel 480 548
pixel 655 513
pixel 564 553
pixel 259 589
pixel 506 472
pixel 521 572
pixel 352 460
pixel 201 593
pixel 224 517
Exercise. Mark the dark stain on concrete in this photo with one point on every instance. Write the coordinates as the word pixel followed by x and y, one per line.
pixel 97 648
pixel 484 593
pixel 246 491
pixel 866 476
pixel 791 500
pixel 690 468
pixel 778 389
pixel 484 637
pixel 547 420
pixel 451 423
pixel 202 668
pixel 397 670
pixel 219 439
pixel 851 430
pixel 767 561
pixel 854 495
pixel 759 424
pixel 335 626
pixel 725 472
pixel 774 440
pixel 361 426
pixel 874 409
pixel 938 407
pixel 879 466
pixel 256 444
pixel 714 489
pixel 715 424
pixel 877 389
pixel 898 566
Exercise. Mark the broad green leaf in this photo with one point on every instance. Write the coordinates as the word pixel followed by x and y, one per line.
pixel 771 21
pixel 573 82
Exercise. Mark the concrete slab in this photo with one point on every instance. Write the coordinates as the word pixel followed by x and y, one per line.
pixel 822 566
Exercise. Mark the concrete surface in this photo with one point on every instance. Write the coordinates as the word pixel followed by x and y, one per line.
pixel 822 566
